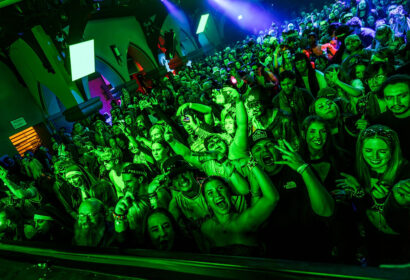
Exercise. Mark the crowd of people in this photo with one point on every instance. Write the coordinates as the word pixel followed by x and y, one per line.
pixel 291 144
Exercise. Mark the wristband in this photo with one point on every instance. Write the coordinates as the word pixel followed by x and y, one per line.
pixel 251 164
pixel 302 168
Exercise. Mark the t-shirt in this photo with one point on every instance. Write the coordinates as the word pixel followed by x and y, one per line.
pixel 294 230
pixel 401 126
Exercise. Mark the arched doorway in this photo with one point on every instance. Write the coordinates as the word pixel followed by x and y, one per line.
pixel 139 65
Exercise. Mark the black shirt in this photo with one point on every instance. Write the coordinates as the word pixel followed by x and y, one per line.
pixel 401 126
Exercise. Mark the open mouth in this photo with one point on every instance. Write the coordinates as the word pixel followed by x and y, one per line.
pixel 221 203
pixel 268 160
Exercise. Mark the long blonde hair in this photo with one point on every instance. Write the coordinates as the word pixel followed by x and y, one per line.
pixel 390 137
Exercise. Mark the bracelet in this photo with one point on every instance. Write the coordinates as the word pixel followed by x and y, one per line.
pixel 302 168
pixel 118 217
pixel 358 193
pixel 251 164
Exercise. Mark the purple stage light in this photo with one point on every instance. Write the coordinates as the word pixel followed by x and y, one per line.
pixel 248 15
pixel 176 13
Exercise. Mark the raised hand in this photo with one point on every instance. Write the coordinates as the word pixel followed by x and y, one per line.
pixel 362 123
pixel 181 109
pixel 232 92
pixel 154 101
pixel 124 129
pixel 289 156
pixel 157 182
pixel 348 183
pixel 401 192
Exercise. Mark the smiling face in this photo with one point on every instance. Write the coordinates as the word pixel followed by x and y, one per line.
pixel 75 178
pixel 316 136
pixel 161 232
pixel 397 97
pixel 376 153
pixel 216 195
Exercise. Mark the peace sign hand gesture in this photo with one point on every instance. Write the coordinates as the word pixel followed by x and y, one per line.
pixel 289 156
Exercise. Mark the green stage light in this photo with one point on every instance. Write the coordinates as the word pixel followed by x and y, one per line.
pixel 202 23
pixel 82 59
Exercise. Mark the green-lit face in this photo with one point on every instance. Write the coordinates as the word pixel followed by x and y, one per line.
pixel 156 134
pixel 265 154
pixel 360 69
pixel 238 65
pixel 128 119
pixel 216 195
pixel 288 85
pixel 116 129
pixel 159 152
pixel 287 54
pixel 43 226
pixel 326 109
pixel 377 80
pixel 161 232
pixel 184 182
pixel 181 100
pixel 376 153
pixel 316 136
pixel 229 125
pixel 88 216
pixel 75 179
pixel 109 163
pixel 130 181
pixel 133 149
pixel 78 128
pixel 216 144
pixel 352 44
pixel 301 66
pixel 397 98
